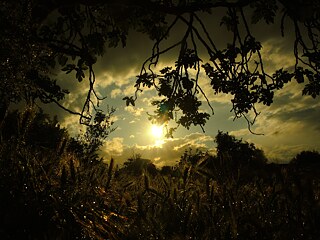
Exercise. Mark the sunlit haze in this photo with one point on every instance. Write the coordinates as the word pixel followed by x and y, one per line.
pixel 157 131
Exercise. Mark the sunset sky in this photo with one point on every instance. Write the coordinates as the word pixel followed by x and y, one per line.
pixel 289 126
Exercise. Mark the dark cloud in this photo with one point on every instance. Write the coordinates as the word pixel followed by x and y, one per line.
pixel 309 116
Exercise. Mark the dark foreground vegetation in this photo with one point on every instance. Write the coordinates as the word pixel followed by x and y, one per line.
pixel 56 187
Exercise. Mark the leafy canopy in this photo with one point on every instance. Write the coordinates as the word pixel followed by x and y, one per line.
pixel 69 35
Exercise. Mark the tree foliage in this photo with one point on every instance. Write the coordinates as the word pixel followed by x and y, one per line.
pixel 137 166
pixel 234 160
pixel 70 35
pixel 243 153
pixel 306 159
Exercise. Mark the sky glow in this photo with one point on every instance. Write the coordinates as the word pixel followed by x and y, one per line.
pixel 157 131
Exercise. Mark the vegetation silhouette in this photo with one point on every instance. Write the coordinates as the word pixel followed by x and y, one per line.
pixel 60 189
pixel 53 186
pixel 70 35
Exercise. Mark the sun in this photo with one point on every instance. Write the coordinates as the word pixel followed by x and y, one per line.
pixel 157 131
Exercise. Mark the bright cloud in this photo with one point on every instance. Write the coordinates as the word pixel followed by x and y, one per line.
pixel 168 153
pixel 115 93
pixel 113 148
pixel 71 122
pixel 134 110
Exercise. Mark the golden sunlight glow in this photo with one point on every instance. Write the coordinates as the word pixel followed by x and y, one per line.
pixel 157 131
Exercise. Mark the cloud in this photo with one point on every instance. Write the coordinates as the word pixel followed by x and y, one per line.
pixel 129 90
pixel 148 99
pixel 71 122
pixel 114 118
pixel 284 153
pixel 113 148
pixel 276 54
pixel 115 93
pixel 118 60
pixel 107 78
pixel 290 107
pixel 134 110
pixel 291 124
pixel 308 116
pixel 285 134
pixel 168 153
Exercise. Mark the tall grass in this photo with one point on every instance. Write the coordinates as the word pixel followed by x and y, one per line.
pixel 53 190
